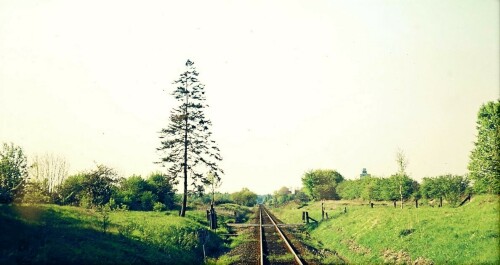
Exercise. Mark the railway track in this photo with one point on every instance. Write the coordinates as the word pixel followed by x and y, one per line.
pixel 275 248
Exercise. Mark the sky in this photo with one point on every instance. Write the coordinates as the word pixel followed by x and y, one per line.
pixel 292 86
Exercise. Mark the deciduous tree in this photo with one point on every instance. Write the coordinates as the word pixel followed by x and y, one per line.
pixel 98 186
pixel 484 165
pixel 161 186
pixel 244 197
pixel 402 162
pixel 49 169
pixel 71 190
pixel 321 184
pixel 13 172
pixel 450 187
pixel 282 195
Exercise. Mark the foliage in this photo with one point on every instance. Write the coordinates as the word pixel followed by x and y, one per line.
pixel 36 191
pixel 300 196
pixel 99 184
pixel 350 189
pixel 450 187
pixel 158 207
pixel 221 198
pixel 401 177
pixel 283 195
pixel 186 141
pixel 49 169
pixel 371 188
pixel 244 197
pixel 484 165
pixel 321 184
pixel 212 183
pixel 137 193
pixel 399 187
pixel 104 219
pixel 89 189
pixel 379 189
pixel 13 172
pixel 206 199
pixel 162 188
pixel 130 192
pixel 71 190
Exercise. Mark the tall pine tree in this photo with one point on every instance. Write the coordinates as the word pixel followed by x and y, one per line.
pixel 187 147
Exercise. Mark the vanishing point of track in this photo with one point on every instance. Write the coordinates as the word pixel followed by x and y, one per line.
pixel 272 240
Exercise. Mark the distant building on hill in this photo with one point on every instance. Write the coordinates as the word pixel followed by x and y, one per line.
pixel 364 173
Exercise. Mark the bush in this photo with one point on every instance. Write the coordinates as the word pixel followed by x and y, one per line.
pixel 158 207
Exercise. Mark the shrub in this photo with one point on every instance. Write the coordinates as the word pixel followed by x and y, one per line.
pixel 158 207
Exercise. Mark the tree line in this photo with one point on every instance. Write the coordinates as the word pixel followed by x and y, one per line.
pixel 483 176
pixel 45 180
pixel 433 190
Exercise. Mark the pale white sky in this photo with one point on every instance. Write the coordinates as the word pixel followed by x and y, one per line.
pixel 293 85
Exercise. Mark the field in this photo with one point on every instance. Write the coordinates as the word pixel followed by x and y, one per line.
pixel 384 234
pixel 40 234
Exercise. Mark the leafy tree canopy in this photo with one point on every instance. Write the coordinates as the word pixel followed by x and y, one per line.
pixel 450 187
pixel 244 197
pixel 322 183
pixel 13 172
pixel 484 165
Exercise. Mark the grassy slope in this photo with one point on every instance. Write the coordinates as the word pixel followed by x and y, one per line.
pixel 55 234
pixel 464 235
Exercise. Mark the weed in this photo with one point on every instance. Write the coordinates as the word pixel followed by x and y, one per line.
pixel 406 232
pixel 280 258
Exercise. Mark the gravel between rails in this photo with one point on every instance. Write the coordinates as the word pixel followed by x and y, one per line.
pixel 248 251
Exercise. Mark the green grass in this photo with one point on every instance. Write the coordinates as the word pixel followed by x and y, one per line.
pixel 463 235
pixel 69 235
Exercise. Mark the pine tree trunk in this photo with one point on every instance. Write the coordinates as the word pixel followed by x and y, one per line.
pixel 185 166
pixel 184 196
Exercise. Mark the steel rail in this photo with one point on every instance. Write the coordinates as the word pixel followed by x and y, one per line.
pixel 285 240
pixel 261 237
